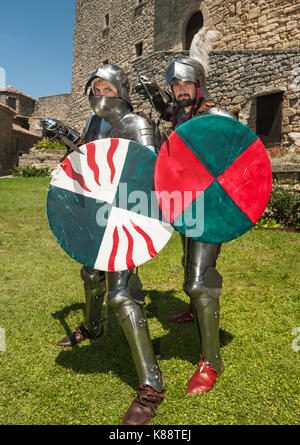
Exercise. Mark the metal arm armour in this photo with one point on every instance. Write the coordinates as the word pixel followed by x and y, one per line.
pixel 219 111
pixel 160 99
pixel 137 128
pixel 58 130
pixel 130 126
pixel 163 102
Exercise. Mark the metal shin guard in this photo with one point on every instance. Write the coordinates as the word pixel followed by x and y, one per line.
pixel 95 289
pixel 131 317
pixel 203 284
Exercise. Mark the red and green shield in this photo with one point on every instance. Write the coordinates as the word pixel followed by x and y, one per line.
pixel 213 178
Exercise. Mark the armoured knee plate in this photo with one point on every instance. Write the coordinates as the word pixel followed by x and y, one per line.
pixel 203 285
pixel 95 288
pixel 132 319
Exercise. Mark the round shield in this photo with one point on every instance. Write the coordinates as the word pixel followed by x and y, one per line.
pixel 213 178
pixel 101 205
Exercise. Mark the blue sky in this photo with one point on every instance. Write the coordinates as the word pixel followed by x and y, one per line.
pixel 36 44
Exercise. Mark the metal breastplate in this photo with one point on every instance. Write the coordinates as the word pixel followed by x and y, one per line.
pixel 130 126
pixel 96 128
pixel 181 114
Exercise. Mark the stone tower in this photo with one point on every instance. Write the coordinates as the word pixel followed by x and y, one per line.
pixel 257 54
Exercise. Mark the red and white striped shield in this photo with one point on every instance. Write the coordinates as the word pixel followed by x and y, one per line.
pixel 101 206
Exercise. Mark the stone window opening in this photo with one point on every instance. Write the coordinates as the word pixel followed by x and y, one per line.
pixel 269 118
pixel 192 27
pixel 11 102
pixel 139 49
pixel 107 20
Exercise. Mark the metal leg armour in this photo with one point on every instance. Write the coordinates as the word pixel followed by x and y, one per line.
pixel 203 284
pixel 131 317
pixel 95 289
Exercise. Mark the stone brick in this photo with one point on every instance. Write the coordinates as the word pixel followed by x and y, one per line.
pixel 253 13
pixel 238 7
pixel 291 24
pixel 262 20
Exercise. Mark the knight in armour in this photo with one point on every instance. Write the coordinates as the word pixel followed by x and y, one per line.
pixel 186 76
pixel 113 117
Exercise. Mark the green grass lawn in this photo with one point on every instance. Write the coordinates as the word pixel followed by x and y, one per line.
pixel 41 298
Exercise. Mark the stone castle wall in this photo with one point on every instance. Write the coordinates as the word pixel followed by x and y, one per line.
pixel 56 106
pixel 24 104
pixel 28 110
pixel 243 24
pixel 236 79
pixel 96 41
pixel 110 30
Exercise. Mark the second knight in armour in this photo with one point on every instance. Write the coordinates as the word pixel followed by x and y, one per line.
pixel 202 283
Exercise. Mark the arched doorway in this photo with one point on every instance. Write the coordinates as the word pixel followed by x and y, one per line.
pixel 192 27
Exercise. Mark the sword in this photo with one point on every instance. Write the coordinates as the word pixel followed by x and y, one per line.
pixel 60 131
pixel 153 106
pixel 70 144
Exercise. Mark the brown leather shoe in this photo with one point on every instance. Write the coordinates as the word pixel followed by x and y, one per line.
pixel 75 338
pixel 143 407
pixel 184 317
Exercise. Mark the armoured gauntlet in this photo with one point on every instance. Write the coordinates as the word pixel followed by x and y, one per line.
pixel 159 98
pixel 56 129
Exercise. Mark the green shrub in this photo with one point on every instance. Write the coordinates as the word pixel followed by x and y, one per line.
pixel 283 207
pixel 267 223
pixel 30 171
pixel 46 144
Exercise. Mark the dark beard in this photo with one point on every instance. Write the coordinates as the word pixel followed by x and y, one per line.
pixel 185 102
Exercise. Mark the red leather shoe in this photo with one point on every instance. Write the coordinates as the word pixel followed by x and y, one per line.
pixel 203 379
pixel 181 318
